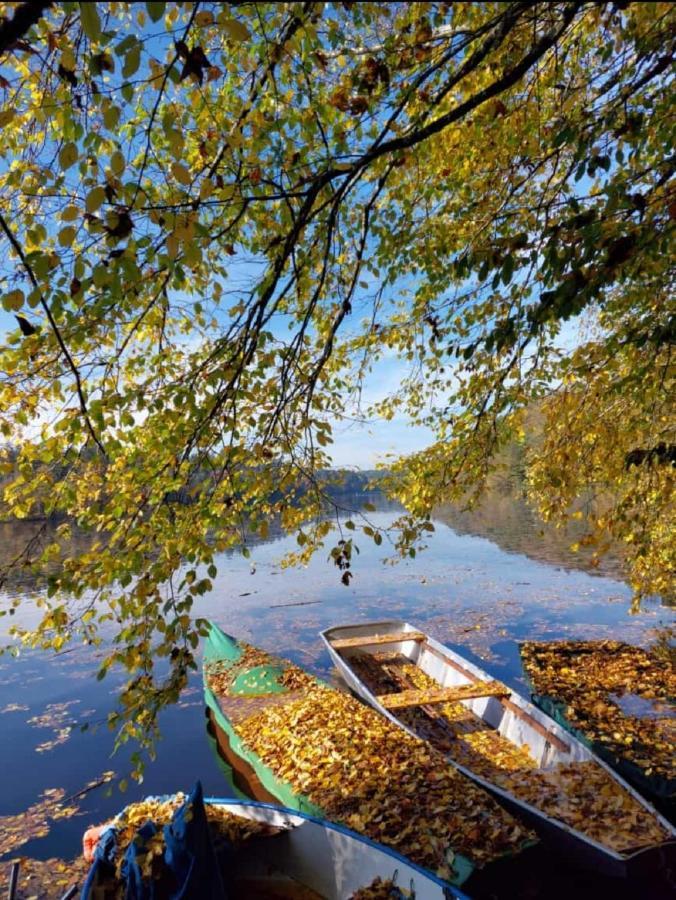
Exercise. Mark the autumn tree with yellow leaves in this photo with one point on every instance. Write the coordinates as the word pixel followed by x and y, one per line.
pixel 216 218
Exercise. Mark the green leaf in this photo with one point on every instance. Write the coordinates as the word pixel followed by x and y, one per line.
pixel 111 116
pixel 507 269
pixel 34 297
pixel 68 155
pixel 126 44
pixel 89 19
pixel 181 174
pixel 236 30
pixel 132 61
pixel 13 301
pixel 155 10
pixel 95 198
pixel 67 236
pixel 117 163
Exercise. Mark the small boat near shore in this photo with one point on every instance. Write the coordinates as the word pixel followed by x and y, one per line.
pixel 318 750
pixel 619 700
pixel 255 851
pixel 530 763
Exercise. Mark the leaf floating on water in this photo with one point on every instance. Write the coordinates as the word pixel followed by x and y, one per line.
pixel 34 822
pixel 45 879
pixel 55 716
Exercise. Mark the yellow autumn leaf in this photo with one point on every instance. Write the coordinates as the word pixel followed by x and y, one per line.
pixel 181 173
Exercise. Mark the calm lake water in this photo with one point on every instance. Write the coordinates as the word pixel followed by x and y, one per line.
pixel 465 589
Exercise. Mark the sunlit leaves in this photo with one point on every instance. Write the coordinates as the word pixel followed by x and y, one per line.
pixel 13 300
pixel 232 217
pixel 596 684
pixel 89 17
pixel 362 771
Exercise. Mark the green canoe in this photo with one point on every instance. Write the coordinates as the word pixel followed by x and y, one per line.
pixel 241 682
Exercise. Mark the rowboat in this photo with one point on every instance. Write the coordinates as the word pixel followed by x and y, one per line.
pixel 617 699
pixel 531 764
pixel 298 856
pixel 320 752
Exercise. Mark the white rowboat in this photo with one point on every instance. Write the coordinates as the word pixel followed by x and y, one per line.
pixel 503 710
pixel 313 858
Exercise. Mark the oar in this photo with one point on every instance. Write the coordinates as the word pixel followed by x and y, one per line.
pixel 70 893
pixel 13 879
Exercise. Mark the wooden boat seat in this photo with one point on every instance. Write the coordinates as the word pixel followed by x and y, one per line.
pixel 443 695
pixel 368 639
pixel 548 735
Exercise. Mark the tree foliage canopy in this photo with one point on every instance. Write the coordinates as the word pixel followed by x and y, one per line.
pixel 216 219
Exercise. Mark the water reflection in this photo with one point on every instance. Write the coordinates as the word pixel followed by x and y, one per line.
pixel 507 519
pixel 464 590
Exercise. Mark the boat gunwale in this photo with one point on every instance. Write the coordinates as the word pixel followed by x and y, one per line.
pixel 528 707
pixel 347 832
pixel 240 749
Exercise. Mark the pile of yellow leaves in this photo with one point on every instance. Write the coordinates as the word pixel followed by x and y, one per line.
pixel 222 674
pixel 379 889
pixel 370 776
pixel 584 675
pixel 222 822
pixel 580 794
pixel 223 825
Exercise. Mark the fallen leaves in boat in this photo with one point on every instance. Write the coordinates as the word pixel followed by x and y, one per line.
pixel 583 795
pixel 379 889
pixel 225 828
pixel 45 879
pixel 580 794
pixel 584 675
pixel 367 774
pixel 223 673
pixel 34 822
pixel 222 822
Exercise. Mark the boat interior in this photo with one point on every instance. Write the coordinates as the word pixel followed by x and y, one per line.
pixel 489 731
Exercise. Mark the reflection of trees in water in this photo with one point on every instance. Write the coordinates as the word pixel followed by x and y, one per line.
pixel 19 535
pixel 502 516
pixel 21 541
pixel 508 520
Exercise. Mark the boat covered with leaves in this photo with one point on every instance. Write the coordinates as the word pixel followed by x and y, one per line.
pixel 619 700
pixel 320 751
pixel 199 849
pixel 507 745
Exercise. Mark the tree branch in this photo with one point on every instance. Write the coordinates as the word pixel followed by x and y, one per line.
pixel 55 328
pixel 11 30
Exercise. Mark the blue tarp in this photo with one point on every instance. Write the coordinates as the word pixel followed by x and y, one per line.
pixel 191 870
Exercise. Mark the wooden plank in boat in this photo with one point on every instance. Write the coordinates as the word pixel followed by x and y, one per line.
pixel 443 695
pixel 368 639
pixel 553 739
